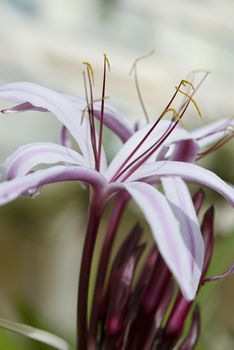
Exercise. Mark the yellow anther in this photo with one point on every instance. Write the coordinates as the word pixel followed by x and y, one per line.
pixel 185 82
pixel 175 113
pixel 192 100
pixel 176 116
pixel 107 61
pixel 90 69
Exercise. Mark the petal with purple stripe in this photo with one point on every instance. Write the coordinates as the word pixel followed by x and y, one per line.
pixel 189 172
pixel 9 190
pixel 213 132
pixel 112 118
pixel 185 151
pixel 59 105
pixel 26 157
pixel 167 233
pixel 182 206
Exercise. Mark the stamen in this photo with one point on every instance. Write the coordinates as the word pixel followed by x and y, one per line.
pixel 154 146
pixel 150 151
pixel 106 64
pixel 106 60
pixel 86 97
pixel 196 88
pixel 191 99
pixel 148 133
pixel 90 74
pixel 134 69
pixel 89 106
pixel 186 82
pixel 89 69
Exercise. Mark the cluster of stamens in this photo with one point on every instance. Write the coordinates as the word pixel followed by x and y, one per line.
pixel 129 166
pixel 90 108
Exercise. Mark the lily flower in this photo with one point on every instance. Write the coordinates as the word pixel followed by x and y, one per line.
pixel 159 153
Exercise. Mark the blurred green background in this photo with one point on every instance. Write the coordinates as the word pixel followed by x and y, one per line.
pixel 46 42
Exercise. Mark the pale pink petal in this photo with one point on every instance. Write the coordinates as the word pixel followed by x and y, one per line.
pixel 168 236
pixel 59 105
pixel 26 157
pixel 64 137
pixel 189 172
pixel 182 206
pixel 185 151
pixel 23 107
pixel 213 132
pixel 9 190
pixel 112 118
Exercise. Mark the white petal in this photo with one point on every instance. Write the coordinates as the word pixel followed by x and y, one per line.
pixel 56 103
pixel 168 236
pixel 212 132
pixel 11 189
pixel 182 206
pixel 26 157
pixel 189 172
pixel 112 118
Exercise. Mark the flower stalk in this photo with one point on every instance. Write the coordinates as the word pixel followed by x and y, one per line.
pixel 114 222
pixel 95 215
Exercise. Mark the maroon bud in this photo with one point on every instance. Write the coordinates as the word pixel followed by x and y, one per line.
pixel 166 299
pixel 176 320
pixel 143 328
pixel 207 229
pixel 154 331
pixel 156 287
pixel 121 292
pixel 191 339
pixel 139 290
pixel 144 277
pixel 125 250
pixel 198 198
pixel 128 246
